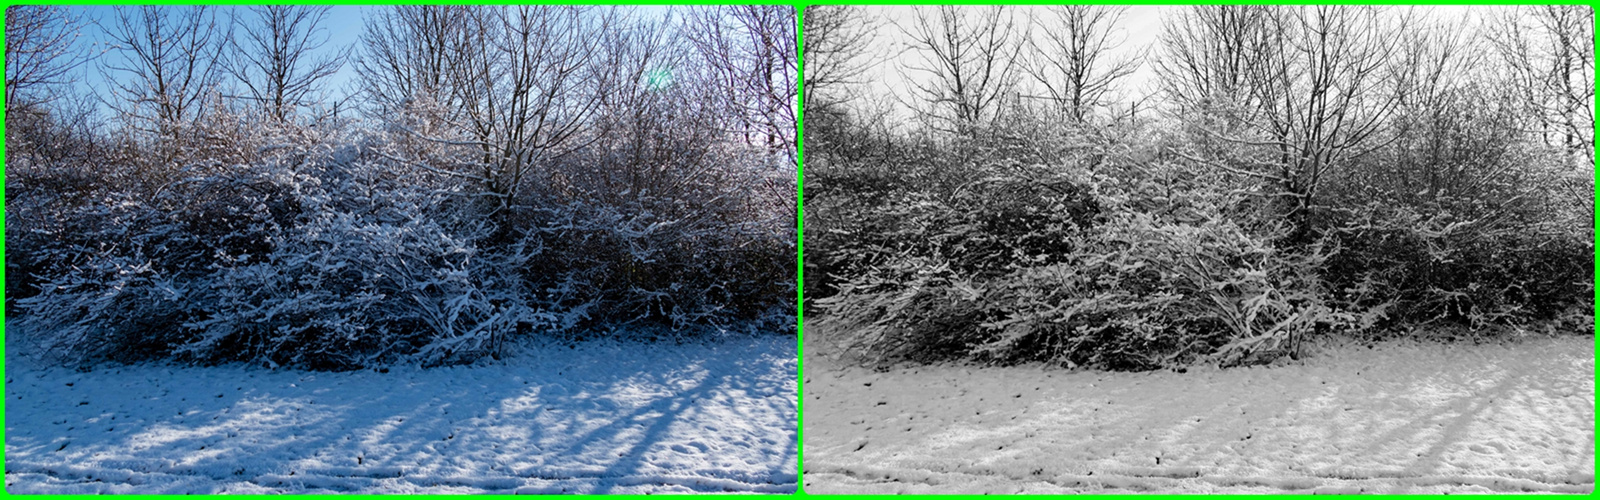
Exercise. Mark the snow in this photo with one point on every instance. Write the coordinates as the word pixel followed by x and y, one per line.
pixel 1398 417
pixel 593 417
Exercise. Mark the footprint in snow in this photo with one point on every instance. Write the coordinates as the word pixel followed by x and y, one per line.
pixel 1486 450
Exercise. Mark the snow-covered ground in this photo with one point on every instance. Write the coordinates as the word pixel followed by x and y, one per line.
pixel 595 417
pixel 1395 417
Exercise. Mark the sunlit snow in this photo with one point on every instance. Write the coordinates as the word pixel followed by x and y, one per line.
pixel 1386 417
pixel 597 417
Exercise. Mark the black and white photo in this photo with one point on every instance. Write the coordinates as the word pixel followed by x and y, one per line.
pixel 1068 249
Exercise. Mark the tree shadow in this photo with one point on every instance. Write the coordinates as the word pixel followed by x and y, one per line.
pixel 1286 428
pixel 486 429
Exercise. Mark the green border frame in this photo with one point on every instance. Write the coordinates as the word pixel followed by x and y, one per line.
pixel 799 250
pixel 799 6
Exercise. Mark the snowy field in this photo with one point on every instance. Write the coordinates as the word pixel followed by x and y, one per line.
pixel 599 417
pixel 1399 417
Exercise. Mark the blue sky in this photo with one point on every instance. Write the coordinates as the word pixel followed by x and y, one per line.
pixel 342 27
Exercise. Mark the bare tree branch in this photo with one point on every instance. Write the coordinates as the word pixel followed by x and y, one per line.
pixel 966 63
pixel 750 56
pixel 41 52
pixel 838 39
pixel 271 57
pixel 1070 57
pixel 167 65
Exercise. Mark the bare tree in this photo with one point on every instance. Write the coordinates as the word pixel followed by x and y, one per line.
pixel 272 58
pixel 41 52
pixel 659 129
pixel 167 67
pixel 1433 59
pixel 406 51
pixel 1453 128
pixel 507 90
pixel 1209 52
pixel 838 39
pixel 1070 57
pixel 530 80
pixel 1549 52
pixel 749 55
pixel 966 64
pixel 1316 83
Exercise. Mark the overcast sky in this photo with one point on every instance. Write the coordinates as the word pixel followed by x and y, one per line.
pixel 1139 29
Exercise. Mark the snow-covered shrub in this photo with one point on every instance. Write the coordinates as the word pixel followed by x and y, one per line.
pixel 1135 293
pixel 1025 217
pixel 114 306
pixel 1012 193
pixel 56 169
pixel 297 259
pixel 1114 285
pixel 1146 293
pixel 115 276
pixel 983 230
pixel 349 290
pixel 345 276
pixel 659 222
pixel 1478 272
pixel 1467 219
pixel 324 251
pixel 638 265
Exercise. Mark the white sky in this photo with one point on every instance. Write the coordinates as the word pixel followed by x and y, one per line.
pixel 1140 28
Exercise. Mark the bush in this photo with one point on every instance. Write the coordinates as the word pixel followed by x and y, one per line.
pixel 285 267
pixel 1150 293
pixel 1116 287
pixel 324 256
pixel 1465 220
pixel 978 225
pixel 1475 273
pixel 636 266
